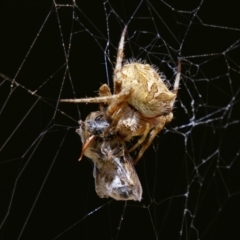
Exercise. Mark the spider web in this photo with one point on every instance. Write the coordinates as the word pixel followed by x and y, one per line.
pixel 65 49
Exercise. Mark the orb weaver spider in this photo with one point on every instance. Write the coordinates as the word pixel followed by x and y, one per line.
pixel 141 103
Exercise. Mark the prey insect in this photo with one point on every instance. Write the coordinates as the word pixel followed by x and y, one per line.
pixel 114 173
pixel 141 104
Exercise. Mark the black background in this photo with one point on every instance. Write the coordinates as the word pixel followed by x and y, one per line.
pixel 46 193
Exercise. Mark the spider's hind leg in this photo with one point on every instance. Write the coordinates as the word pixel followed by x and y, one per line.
pixel 142 138
pixel 160 125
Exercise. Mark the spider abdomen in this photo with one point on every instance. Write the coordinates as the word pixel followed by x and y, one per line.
pixel 150 96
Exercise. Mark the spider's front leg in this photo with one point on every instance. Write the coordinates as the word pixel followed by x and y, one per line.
pixel 116 109
pixel 104 91
pixel 119 101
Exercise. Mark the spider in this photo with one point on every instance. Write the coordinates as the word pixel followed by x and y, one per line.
pixel 141 104
pixel 114 173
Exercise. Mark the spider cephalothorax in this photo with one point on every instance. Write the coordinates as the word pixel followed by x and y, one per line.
pixel 141 104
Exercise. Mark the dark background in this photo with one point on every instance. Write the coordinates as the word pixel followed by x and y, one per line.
pixel 46 193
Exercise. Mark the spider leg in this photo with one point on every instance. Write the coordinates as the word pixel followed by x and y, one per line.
pixel 101 99
pixel 142 139
pixel 117 86
pixel 116 110
pixel 176 83
pixel 104 90
pixel 152 135
pixel 177 78
pixel 118 66
pixel 118 101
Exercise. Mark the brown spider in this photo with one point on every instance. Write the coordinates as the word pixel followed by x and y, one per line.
pixel 114 173
pixel 141 104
